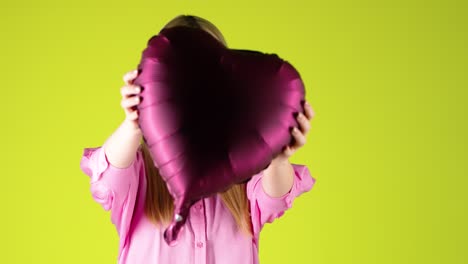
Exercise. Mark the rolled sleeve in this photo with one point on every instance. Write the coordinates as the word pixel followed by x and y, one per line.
pixel 264 208
pixel 113 188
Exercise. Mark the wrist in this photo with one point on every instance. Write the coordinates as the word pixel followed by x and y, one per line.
pixel 132 127
pixel 281 159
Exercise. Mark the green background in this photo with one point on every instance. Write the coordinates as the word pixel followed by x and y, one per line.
pixel 388 145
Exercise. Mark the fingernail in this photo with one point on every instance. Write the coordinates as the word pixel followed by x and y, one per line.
pixel 137 89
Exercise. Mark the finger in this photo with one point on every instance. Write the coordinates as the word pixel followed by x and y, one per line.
pixel 131 112
pixel 129 102
pixel 128 90
pixel 304 123
pixel 130 76
pixel 288 151
pixel 309 112
pixel 299 138
pixel 132 115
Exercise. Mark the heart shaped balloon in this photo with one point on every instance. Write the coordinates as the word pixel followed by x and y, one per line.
pixel 212 116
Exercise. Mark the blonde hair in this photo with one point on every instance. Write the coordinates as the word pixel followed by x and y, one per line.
pixel 159 204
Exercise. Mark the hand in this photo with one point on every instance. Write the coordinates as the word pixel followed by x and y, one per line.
pixel 299 134
pixel 130 99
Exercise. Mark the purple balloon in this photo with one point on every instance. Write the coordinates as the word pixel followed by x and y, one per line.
pixel 212 116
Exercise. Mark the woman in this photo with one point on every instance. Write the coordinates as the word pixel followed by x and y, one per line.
pixel 223 228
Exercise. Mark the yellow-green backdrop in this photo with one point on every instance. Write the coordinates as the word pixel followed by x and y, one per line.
pixel 388 145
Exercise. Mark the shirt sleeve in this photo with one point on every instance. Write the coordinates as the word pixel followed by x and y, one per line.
pixel 265 208
pixel 113 188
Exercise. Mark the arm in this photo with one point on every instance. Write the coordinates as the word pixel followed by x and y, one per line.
pixel 116 167
pixel 113 187
pixel 122 145
pixel 279 176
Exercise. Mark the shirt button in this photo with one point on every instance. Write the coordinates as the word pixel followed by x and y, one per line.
pixel 199 244
pixel 198 206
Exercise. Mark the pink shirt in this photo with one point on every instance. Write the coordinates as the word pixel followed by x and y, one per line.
pixel 210 234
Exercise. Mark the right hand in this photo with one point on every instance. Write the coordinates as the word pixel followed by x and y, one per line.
pixel 131 98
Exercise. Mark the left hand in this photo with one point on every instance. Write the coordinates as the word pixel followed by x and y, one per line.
pixel 299 134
